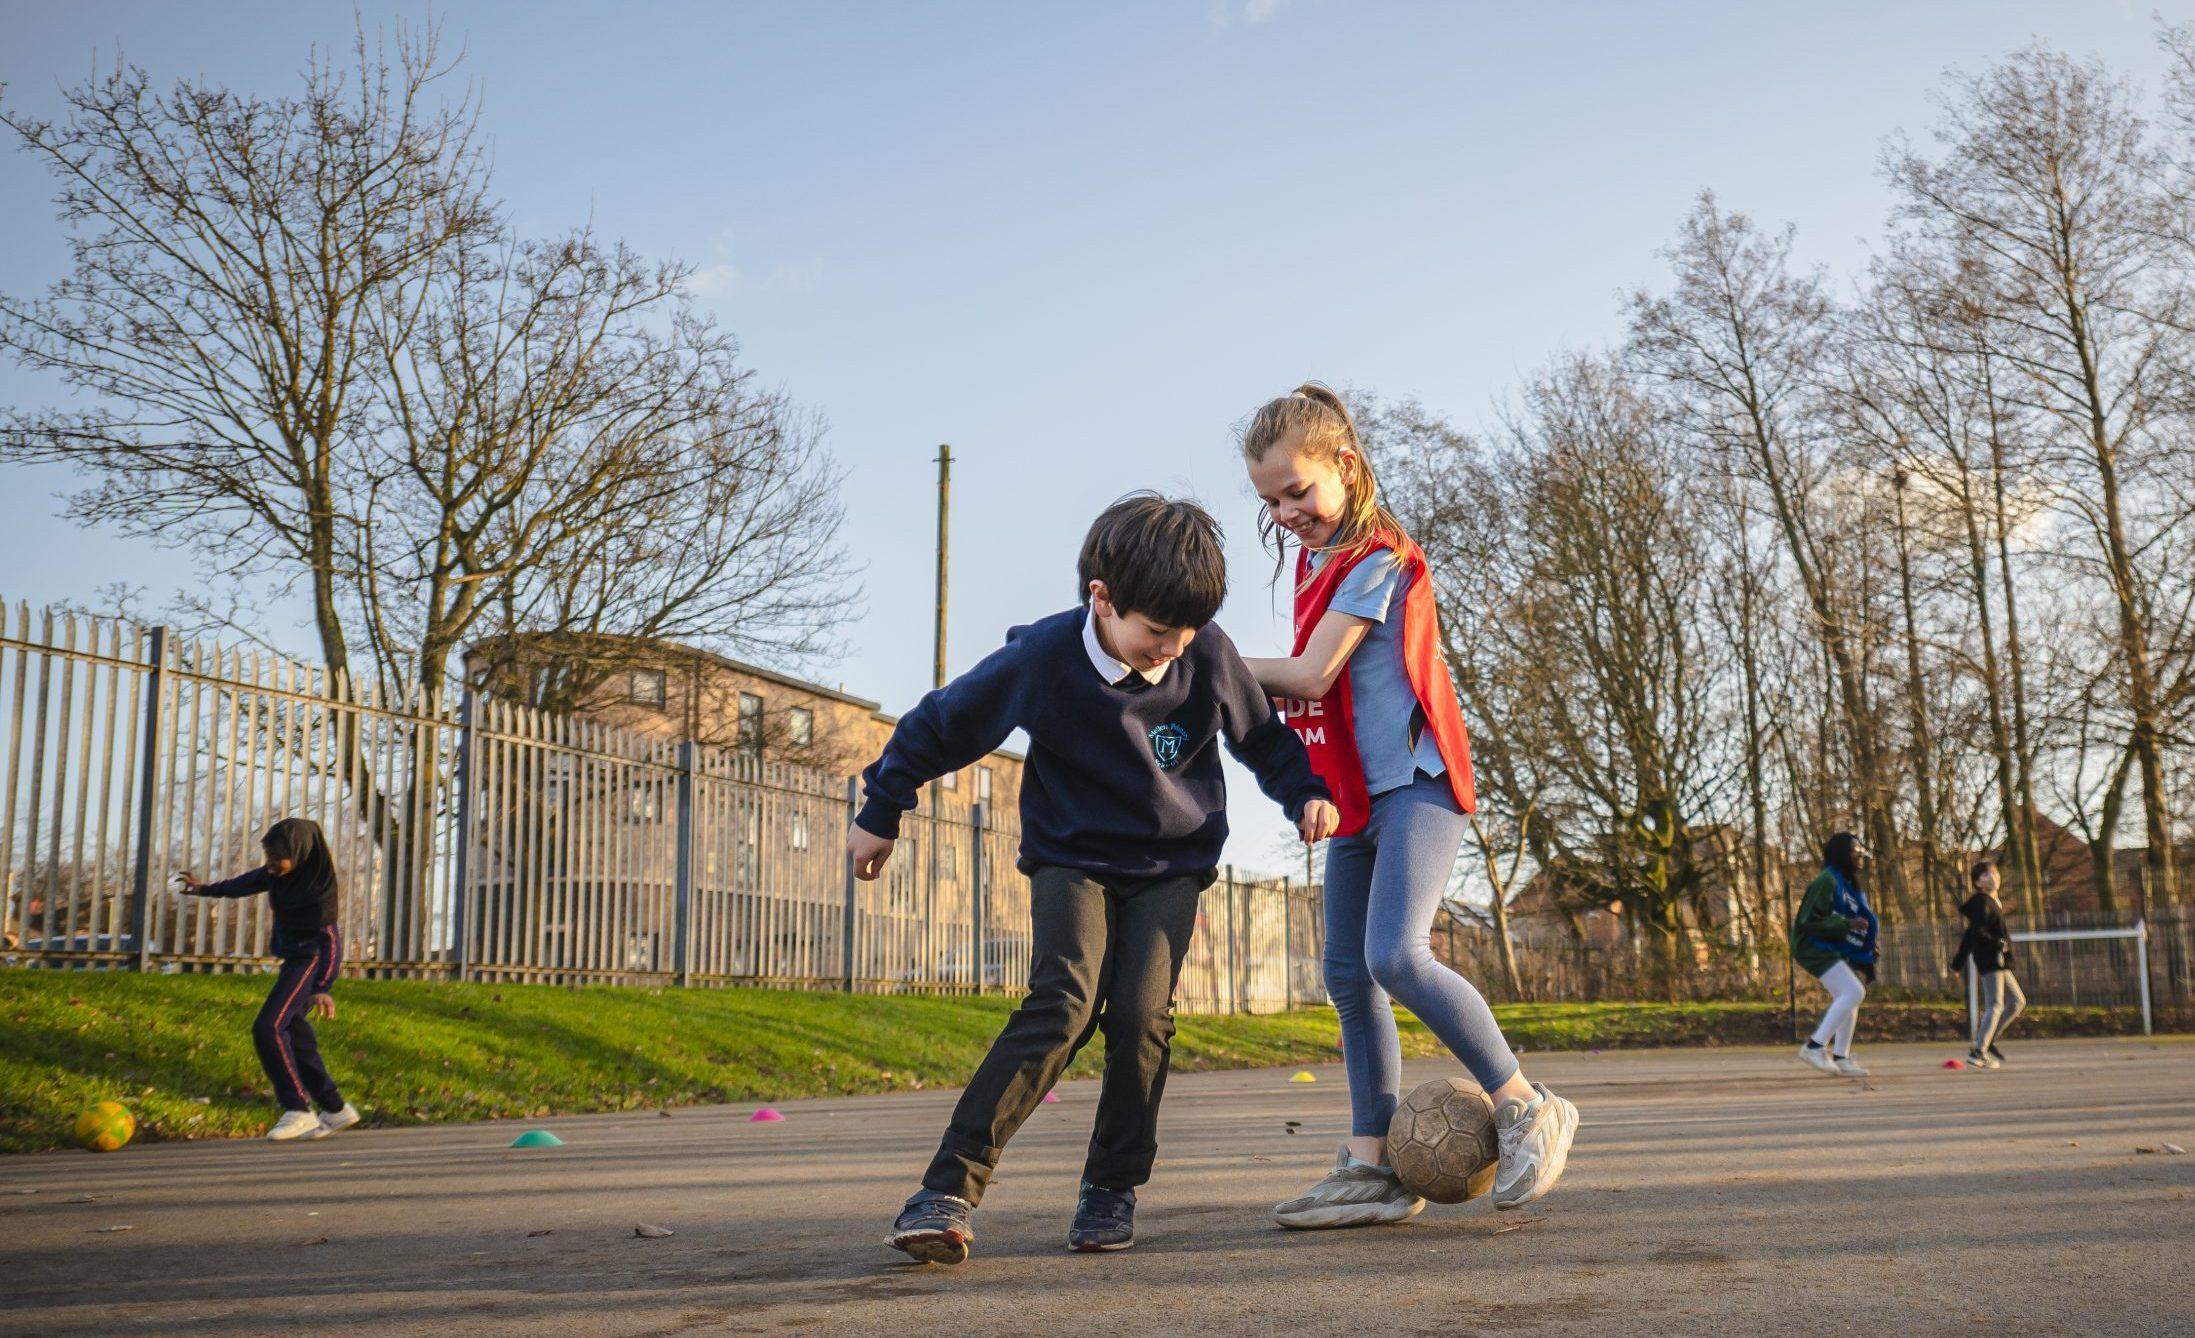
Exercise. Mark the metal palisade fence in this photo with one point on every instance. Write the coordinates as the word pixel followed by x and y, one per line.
pixel 483 840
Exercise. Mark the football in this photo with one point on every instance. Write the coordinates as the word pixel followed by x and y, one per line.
pixel 1441 1141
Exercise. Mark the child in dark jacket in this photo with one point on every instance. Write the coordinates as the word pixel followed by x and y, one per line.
pixel 299 881
pixel 1987 947
pixel 1126 699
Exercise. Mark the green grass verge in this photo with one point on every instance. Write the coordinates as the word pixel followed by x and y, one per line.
pixel 177 1049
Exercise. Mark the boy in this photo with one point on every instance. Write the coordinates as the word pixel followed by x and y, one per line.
pixel 1123 813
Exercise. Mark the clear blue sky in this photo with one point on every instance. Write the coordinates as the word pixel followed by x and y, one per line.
pixel 1080 244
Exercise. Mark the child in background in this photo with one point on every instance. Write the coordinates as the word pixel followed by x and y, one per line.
pixel 299 880
pixel 1833 936
pixel 1370 694
pixel 1987 947
pixel 1126 699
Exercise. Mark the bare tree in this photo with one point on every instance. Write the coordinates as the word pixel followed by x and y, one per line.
pixel 2046 182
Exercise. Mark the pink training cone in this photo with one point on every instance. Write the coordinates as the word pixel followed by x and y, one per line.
pixel 1954 1063
pixel 766 1115
pixel 1051 1098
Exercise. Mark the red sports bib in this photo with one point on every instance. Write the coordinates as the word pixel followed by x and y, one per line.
pixel 1328 726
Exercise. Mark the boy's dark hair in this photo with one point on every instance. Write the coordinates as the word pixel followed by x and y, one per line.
pixel 1159 557
pixel 1981 866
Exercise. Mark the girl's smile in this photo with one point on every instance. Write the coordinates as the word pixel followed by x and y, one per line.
pixel 1306 497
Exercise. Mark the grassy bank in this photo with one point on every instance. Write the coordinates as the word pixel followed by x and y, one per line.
pixel 177 1049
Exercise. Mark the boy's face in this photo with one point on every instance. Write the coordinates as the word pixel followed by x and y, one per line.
pixel 1134 639
pixel 280 865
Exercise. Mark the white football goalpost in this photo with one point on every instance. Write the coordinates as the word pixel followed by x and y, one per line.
pixel 2138 932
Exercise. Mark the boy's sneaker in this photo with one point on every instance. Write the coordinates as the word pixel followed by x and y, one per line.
pixel 295 1124
pixel 1849 1068
pixel 1353 1194
pixel 933 1228
pixel 1105 1219
pixel 1535 1146
pixel 1818 1056
pixel 335 1121
pixel 1996 1056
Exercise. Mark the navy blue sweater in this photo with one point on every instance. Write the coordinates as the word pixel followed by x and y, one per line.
pixel 300 912
pixel 1118 782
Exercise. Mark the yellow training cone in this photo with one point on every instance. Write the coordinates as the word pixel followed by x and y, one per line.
pixel 1303 1075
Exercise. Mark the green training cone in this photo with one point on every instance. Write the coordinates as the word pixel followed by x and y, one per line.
pixel 537 1138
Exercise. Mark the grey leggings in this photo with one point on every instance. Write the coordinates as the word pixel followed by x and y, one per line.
pixel 2002 1000
pixel 1383 887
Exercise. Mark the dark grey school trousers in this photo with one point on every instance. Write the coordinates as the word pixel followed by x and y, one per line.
pixel 1106 954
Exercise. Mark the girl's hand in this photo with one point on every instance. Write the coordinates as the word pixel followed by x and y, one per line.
pixel 1320 820
pixel 188 885
pixel 868 851
pixel 322 1005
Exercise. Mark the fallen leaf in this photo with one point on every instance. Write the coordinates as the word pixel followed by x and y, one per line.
pixel 107 1231
pixel 22 1191
pixel 1293 1124
pixel 1519 1226
pixel 2175 1150
pixel 317 1240
pixel 545 1231
pixel 83 1198
pixel 646 1232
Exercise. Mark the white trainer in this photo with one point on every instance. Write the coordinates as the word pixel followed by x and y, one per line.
pixel 1849 1068
pixel 1535 1146
pixel 335 1121
pixel 1353 1194
pixel 1818 1056
pixel 295 1124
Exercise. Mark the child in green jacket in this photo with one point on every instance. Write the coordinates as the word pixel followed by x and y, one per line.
pixel 1833 936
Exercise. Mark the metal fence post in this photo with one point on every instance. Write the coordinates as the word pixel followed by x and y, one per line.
pixel 682 910
pixel 847 937
pixel 1234 980
pixel 461 895
pixel 978 823
pixel 148 778
pixel 2141 968
pixel 1287 946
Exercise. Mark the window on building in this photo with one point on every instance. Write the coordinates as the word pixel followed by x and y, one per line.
pixel 983 784
pixel 750 721
pixel 649 687
pixel 800 726
pixel 950 780
pixel 797 830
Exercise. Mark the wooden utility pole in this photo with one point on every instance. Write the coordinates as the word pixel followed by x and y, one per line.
pixel 944 507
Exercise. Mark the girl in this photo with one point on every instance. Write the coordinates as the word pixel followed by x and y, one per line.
pixel 1833 936
pixel 299 880
pixel 1987 946
pixel 1369 693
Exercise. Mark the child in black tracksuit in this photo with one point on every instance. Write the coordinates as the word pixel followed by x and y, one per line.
pixel 1123 810
pixel 299 880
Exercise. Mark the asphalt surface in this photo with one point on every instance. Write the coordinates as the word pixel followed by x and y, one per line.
pixel 1729 1191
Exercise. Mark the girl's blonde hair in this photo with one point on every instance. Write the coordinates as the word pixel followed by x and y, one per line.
pixel 1313 421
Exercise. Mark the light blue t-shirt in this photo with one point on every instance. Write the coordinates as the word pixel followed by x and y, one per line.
pixel 1393 743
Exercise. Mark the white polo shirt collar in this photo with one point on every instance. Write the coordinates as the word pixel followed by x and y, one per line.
pixel 1110 669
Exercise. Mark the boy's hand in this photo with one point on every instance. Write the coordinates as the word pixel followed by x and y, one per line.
pixel 186 884
pixel 323 1005
pixel 1319 821
pixel 868 851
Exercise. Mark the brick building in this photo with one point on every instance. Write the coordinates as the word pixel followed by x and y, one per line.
pixel 671 691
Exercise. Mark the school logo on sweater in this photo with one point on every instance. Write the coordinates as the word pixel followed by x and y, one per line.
pixel 1167 742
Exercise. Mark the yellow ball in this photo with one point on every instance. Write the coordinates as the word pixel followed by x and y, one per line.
pixel 106 1127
